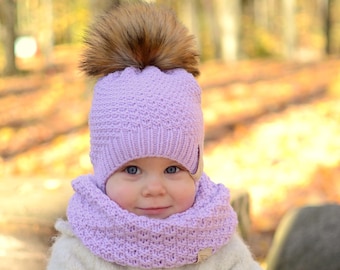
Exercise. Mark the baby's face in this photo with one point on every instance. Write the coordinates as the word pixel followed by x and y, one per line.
pixel 154 187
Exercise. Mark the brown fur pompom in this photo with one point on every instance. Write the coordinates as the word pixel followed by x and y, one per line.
pixel 138 35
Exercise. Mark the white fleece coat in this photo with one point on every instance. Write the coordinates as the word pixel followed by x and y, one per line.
pixel 68 253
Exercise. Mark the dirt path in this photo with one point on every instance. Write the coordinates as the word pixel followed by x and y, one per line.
pixel 28 210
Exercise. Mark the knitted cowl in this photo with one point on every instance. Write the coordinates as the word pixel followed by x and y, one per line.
pixel 124 238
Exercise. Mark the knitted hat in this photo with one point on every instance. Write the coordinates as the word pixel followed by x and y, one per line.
pixel 146 102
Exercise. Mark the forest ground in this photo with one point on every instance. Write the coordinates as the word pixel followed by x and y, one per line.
pixel 272 129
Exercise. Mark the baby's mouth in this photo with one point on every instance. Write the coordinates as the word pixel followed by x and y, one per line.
pixel 153 211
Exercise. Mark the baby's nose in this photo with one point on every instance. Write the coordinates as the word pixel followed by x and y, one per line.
pixel 154 186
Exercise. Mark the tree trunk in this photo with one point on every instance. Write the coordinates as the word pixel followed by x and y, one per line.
pixel 212 25
pixel 99 6
pixel 261 13
pixel 8 18
pixel 188 14
pixel 289 28
pixel 228 16
pixel 47 34
pixel 327 25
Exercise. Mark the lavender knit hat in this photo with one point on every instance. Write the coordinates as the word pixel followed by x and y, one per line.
pixel 146 102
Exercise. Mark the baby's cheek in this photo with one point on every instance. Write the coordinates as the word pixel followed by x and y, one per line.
pixel 120 196
pixel 117 192
pixel 187 198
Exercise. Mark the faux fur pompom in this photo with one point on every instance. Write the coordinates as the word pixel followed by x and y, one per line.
pixel 138 35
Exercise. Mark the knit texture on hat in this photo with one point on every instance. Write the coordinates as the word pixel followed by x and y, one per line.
pixel 145 113
pixel 119 236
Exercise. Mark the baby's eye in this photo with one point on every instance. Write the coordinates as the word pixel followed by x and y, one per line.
pixel 172 169
pixel 132 169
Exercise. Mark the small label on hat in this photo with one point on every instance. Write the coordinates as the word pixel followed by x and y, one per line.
pixel 204 254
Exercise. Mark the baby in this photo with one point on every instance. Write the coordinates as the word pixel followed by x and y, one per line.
pixel 148 204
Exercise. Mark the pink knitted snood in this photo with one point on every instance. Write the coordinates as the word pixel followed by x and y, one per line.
pixel 126 239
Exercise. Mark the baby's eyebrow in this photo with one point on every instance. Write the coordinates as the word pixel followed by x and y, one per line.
pixel 126 165
pixel 173 163
pixel 129 165
pixel 178 165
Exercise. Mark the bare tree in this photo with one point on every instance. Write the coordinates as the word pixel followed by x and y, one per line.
pixel 188 14
pixel 327 18
pixel 46 32
pixel 289 28
pixel 261 13
pixel 8 19
pixel 229 16
pixel 99 6
pixel 212 25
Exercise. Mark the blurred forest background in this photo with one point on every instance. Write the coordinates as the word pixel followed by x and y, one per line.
pixel 271 92
pixel 228 30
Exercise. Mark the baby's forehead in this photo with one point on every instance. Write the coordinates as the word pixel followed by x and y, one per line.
pixel 156 161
